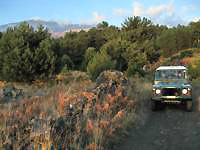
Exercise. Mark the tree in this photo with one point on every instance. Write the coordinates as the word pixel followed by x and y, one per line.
pixel 167 42
pixel 136 59
pixel 102 25
pixel 195 28
pixel 44 60
pixel 183 37
pixel 89 54
pixel 100 62
pixel 96 38
pixel 115 49
pixel 137 29
pixel 66 61
pixel 74 46
pixel 24 59
pixel 132 23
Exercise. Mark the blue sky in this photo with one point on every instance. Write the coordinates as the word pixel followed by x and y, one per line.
pixel 167 12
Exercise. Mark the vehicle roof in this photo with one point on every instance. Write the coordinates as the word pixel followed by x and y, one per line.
pixel 171 67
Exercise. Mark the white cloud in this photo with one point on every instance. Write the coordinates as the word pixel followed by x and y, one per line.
pixel 119 12
pixel 97 17
pixel 160 10
pixel 138 9
pixel 195 19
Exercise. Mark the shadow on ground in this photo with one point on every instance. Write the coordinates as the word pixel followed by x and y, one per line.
pixel 170 129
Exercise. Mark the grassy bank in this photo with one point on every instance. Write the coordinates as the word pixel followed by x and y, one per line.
pixel 70 116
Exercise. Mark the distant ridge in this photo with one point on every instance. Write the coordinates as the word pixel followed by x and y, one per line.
pixel 53 26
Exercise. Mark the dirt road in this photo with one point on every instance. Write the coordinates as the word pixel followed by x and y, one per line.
pixel 168 129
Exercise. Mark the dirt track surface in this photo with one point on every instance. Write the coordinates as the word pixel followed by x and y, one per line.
pixel 168 129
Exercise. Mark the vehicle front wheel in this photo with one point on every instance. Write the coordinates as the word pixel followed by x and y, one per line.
pixel 189 106
pixel 154 105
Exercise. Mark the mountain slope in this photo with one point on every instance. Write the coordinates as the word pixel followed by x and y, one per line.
pixel 53 26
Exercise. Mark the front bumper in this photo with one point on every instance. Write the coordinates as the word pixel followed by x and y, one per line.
pixel 172 99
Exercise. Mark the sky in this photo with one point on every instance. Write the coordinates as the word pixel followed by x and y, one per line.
pixel 165 12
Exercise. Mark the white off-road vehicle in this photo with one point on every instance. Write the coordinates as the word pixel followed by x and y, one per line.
pixel 171 85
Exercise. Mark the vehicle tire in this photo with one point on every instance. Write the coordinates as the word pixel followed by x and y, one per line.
pixel 161 106
pixel 188 106
pixel 154 105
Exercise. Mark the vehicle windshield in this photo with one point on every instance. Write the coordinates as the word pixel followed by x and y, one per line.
pixel 171 74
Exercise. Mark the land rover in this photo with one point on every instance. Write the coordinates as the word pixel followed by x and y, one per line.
pixel 171 85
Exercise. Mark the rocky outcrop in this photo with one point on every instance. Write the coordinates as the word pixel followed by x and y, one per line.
pixel 109 81
pixel 11 92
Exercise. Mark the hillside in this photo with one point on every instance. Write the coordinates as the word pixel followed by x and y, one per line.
pixel 187 57
pixel 55 27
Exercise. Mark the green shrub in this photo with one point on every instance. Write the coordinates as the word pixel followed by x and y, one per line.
pixel 187 53
pixel 100 62
pixel 135 69
pixel 194 72
pixel 175 58
pixel 89 54
pixel 64 69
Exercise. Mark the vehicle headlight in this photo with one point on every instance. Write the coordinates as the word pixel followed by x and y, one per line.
pixel 158 91
pixel 184 91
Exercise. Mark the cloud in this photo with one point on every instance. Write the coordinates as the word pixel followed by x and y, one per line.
pixel 119 12
pixel 97 17
pixel 162 14
pixel 160 10
pixel 138 9
pixel 154 11
pixel 195 19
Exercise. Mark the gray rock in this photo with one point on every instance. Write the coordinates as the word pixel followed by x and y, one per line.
pixel 108 81
pixel 12 92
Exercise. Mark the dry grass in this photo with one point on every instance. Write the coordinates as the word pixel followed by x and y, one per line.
pixel 96 125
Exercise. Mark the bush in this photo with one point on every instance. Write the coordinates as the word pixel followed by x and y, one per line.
pixel 194 72
pixel 100 62
pixel 187 53
pixel 89 54
pixel 134 69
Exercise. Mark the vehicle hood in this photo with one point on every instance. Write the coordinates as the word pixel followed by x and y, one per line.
pixel 171 84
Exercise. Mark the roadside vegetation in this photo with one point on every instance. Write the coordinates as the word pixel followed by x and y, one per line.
pixel 73 115
pixel 29 54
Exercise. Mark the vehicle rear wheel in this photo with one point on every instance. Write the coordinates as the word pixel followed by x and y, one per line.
pixel 189 106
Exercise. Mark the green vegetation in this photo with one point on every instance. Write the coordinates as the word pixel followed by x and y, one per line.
pixel 27 54
pixel 100 62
